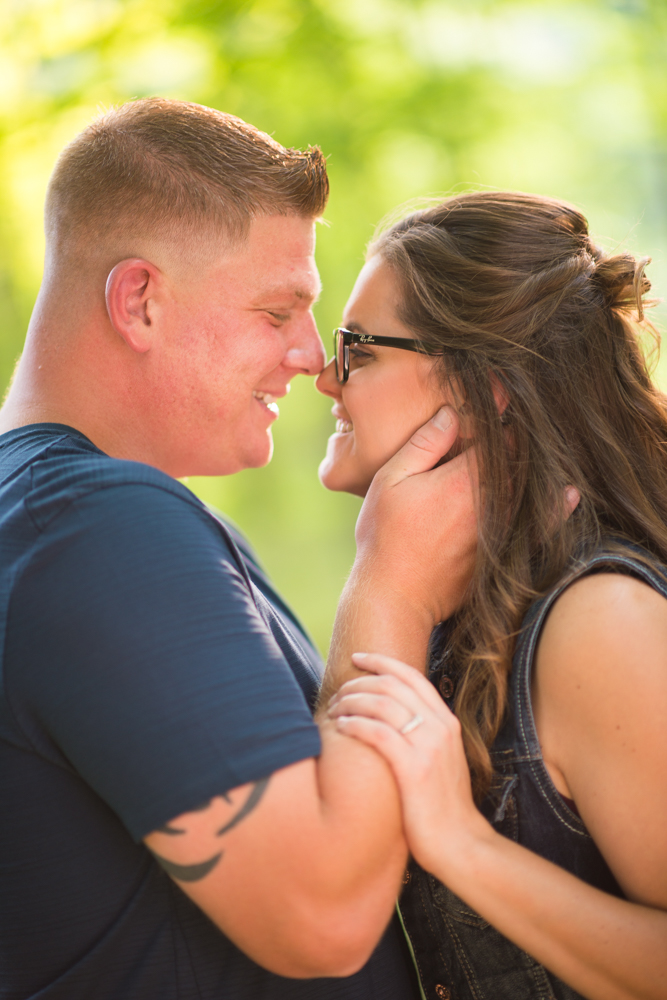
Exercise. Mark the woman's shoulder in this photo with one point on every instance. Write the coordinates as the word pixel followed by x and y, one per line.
pixel 606 632
pixel 601 665
pixel 603 597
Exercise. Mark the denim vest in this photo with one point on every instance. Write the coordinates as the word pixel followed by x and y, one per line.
pixel 459 956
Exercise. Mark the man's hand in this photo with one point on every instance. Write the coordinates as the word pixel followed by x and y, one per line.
pixel 417 530
pixel 416 546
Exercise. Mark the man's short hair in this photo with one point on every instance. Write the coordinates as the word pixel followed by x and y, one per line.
pixel 157 166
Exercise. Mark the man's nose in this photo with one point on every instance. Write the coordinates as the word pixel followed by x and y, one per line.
pixel 306 352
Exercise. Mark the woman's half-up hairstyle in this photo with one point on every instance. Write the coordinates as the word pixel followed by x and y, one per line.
pixel 530 315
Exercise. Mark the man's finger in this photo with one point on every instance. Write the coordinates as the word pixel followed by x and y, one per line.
pixel 426 447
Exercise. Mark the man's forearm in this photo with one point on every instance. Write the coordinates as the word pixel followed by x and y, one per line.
pixel 368 620
pixel 371 619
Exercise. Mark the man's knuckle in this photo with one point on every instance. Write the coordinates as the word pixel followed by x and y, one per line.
pixel 422 440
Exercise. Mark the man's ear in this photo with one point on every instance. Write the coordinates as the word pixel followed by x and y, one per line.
pixel 130 294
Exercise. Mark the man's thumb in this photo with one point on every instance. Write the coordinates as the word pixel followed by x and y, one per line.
pixel 427 445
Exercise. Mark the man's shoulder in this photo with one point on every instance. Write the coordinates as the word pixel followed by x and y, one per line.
pixel 54 468
pixel 61 481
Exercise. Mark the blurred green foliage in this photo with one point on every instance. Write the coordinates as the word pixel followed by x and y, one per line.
pixel 406 98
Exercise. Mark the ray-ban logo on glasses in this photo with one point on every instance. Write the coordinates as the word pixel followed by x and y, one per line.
pixel 365 338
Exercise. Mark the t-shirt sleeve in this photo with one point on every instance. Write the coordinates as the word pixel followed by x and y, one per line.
pixel 135 645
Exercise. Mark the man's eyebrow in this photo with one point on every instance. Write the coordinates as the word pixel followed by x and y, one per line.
pixel 280 292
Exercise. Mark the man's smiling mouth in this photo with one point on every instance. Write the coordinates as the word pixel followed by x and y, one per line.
pixel 268 400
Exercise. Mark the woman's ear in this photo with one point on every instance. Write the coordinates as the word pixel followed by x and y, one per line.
pixel 129 294
pixel 501 398
pixel 500 394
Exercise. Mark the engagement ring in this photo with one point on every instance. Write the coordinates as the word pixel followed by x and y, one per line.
pixel 415 721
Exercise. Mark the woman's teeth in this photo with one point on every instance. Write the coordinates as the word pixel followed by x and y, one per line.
pixel 343 426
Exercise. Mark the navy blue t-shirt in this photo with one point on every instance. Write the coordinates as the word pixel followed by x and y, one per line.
pixel 147 666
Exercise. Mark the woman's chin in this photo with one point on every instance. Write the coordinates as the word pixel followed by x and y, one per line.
pixel 335 475
pixel 331 477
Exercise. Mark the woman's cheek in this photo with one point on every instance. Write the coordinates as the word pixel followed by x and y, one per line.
pixel 375 453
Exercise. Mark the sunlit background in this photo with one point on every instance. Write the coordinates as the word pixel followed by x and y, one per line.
pixel 406 99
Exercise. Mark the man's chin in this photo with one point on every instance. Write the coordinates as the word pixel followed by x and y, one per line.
pixel 227 465
pixel 260 456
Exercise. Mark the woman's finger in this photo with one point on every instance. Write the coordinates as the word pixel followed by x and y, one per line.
pixel 396 750
pixel 381 684
pixel 389 699
pixel 377 663
pixel 377 706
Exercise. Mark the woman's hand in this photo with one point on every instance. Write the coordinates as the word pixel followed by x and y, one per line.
pixel 394 709
pixel 604 947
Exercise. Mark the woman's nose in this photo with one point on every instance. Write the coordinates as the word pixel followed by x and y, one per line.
pixel 327 383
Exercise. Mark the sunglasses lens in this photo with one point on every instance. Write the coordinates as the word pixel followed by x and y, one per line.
pixel 339 354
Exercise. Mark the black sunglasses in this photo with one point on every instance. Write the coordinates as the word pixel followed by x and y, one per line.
pixel 343 338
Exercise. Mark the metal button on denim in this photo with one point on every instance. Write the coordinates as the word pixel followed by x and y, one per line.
pixel 442 992
pixel 446 687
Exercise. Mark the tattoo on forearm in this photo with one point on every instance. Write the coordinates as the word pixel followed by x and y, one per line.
pixel 195 872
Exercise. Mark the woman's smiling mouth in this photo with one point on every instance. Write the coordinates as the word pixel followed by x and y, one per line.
pixel 343 426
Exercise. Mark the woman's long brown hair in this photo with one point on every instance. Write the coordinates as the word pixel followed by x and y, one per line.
pixel 520 301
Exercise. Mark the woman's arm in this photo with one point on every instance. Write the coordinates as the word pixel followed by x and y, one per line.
pixel 605 948
pixel 602 665
pixel 600 703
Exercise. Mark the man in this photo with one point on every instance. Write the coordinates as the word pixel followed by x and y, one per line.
pixel 154 692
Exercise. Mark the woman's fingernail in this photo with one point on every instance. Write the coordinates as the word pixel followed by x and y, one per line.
pixel 359 656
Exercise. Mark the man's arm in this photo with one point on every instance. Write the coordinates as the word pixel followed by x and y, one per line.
pixel 302 871
pixel 294 869
pixel 416 546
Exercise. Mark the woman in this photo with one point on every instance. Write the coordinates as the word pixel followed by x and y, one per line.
pixel 536 808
